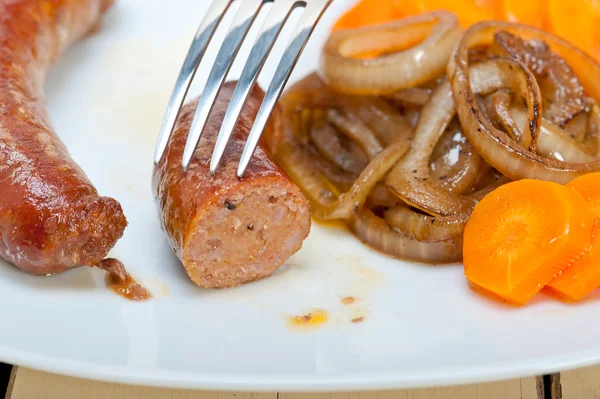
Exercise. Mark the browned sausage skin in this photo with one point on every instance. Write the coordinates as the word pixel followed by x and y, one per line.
pixel 51 217
pixel 227 231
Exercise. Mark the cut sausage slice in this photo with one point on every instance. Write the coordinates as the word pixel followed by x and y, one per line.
pixel 228 231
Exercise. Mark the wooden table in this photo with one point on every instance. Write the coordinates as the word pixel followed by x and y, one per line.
pixel 23 383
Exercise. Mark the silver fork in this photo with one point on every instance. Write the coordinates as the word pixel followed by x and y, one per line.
pixel 243 20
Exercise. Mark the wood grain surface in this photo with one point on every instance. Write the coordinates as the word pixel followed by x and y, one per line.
pixel 30 384
pixel 578 384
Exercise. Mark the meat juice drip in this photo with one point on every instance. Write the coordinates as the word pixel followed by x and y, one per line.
pixel 310 321
pixel 119 281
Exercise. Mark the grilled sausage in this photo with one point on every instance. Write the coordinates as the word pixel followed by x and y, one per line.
pixel 228 231
pixel 51 217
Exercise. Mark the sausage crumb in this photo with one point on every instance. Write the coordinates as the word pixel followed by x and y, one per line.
pixel 349 300
pixel 272 199
pixel 251 227
pixel 230 206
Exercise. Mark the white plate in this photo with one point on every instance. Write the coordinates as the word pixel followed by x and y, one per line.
pixel 422 325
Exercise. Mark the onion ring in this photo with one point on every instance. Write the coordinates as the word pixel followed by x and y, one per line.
pixel 378 234
pixel 495 73
pixel 436 34
pixel 494 145
pixel 428 228
pixel 410 179
pixel 425 228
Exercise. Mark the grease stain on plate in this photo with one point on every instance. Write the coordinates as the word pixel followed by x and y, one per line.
pixel 310 321
pixel 349 300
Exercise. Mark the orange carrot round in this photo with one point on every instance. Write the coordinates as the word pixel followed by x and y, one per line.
pixel 578 22
pixel 525 12
pixel 577 281
pixel 368 12
pixel 522 235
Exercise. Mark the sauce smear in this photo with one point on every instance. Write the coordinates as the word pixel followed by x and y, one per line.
pixel 349 300
pixel 309 321
pixel 120 282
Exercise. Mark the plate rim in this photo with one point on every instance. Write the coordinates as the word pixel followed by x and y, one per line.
pixel 344 382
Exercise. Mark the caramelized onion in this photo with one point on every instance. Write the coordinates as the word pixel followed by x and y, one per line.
pixel 382 118
pixel 435 228
pixel 379 235
pixel 415 50
pixel 495 73
pixel 412 96
pixel 453 163
pixel 344 154
pixel 382 197
pixel 410 179
pixel 501 103
pixel 426 228
pixel 355 130
pixel 494 145
pixel 349 203
pixel 553 141
pixel 406 175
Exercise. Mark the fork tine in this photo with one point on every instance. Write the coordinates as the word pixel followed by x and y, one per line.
pixel 236 35
pixel 260 51
pixel 312 14
pixel 203 37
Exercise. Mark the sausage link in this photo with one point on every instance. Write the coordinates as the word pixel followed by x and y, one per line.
pixel 228 231
pixel 51 217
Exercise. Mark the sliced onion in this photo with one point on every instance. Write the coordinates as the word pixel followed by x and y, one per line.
pixel 349 203
pixel 592 138
pixel 412 96
pixel 382 197
pixel 553 141
pixel 388 124
pixel 454 164
pixel 495 73
pixel 341 179
pixel 434 228
pixel 410 178
pixel 426 228
pixel 501 104
pixel 495 146
pixel 346 155
pixel 412 115
pixel 355 130
pixel 378 234
pixel 286 147
pixel 577 127
pixel 425 43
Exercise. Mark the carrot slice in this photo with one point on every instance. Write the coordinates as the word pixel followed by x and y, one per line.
pixel 368 12
pixel 523 234
pixel 526 12
pixel 574 283
pixel 467 11
pixel 578 22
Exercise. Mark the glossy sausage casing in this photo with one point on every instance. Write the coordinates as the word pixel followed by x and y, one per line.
pixel 228 231
pixel 51 217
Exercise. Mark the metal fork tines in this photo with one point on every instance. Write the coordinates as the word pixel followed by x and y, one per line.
pixel 243 20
